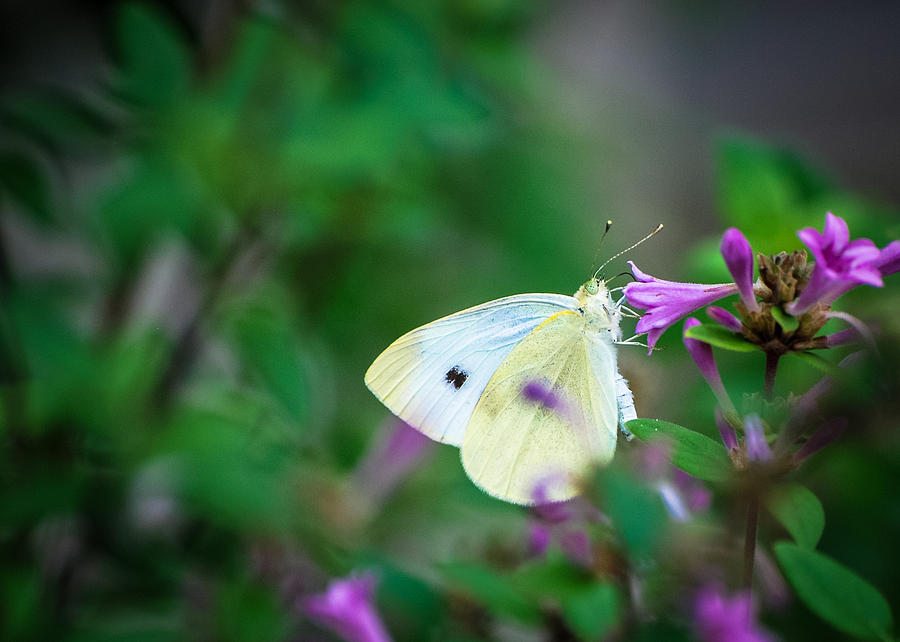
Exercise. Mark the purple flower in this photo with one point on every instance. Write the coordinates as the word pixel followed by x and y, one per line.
pixel 718 618
pixel 842 338
pixel 726 430
pixel 653 459
pixel 697 496
pixel 538 539
pixel 889 261
pixel 684 495
pixel 577 547
pixel 808 403
pixel 681 494
pixel 346 608
pixel 755 444
pixel 826 434
pixel 739 258
pixel 667 302
pixel 724 317
pixel 841 264
pixel 702 355
pixel 399 449
pixel 550 511
pixel 673 501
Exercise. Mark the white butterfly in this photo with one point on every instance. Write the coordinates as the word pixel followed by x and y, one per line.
pixel 526 385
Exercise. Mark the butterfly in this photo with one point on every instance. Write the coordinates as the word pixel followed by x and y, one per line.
pixel 527 386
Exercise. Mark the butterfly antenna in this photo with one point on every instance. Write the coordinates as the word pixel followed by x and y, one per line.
pixel 628 249
pixel 600 244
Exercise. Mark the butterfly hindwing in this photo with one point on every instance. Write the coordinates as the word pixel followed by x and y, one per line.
pixel 546 415
pixel 433 376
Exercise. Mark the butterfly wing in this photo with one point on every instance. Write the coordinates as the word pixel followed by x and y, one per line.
pixel 433 376
pixel 546 415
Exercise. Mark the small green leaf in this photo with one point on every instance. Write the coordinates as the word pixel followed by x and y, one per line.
pixel 800 512
pixel 785 320
pixel 835 593
pixel 818 362
pixel 592 612
pixel 720 337
pixel 692 452
pixel 154 61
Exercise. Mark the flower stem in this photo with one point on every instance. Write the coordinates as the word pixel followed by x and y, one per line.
pixel 750 542
pixel 771 368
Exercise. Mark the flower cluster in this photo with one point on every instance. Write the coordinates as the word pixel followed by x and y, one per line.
pixel 790 302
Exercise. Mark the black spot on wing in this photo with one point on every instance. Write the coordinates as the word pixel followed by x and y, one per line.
pixel 456 377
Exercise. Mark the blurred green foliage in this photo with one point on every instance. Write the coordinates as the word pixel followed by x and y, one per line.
pixel 246 222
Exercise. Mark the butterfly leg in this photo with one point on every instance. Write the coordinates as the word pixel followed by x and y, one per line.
pixel 625 403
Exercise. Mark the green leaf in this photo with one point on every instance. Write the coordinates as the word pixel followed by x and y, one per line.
pixel 56 120
pixel 800 512
pixel 154 62
pixel 835 593
pixel 268 345
pixel 819 363
pixel 552 577
pixel 692 452
pixel 636 510
pixel 592 613
pixel 21 178
pixel 785 320
pixel 716 335
pixel 496 592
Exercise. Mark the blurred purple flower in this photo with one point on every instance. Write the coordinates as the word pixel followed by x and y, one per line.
pixel 697 496
pixel 808 402
pixel 841 264
pixel 550 511
pixel 774 590
pixel 667 302
pixel 724 317
pixel 842 338
pixel 653 459
pixel 346 608
pixel 673 501
pixel 726 430
pixel 826 434
pixel 538 392
pixel 577 546
pixel 681 494
pixel 738 257
pixel 755 444
pixel 702 355
pixel 399 449
pixel 718 618
pixel 684 496
pixel 538 539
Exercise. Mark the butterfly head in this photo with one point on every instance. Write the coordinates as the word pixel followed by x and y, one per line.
pixel 600 312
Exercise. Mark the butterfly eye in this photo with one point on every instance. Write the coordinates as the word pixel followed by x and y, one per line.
pixel 592 286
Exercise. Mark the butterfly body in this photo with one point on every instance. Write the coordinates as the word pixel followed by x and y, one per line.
pixel 527 386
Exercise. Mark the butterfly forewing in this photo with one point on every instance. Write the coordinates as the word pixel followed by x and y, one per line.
pixel 433 376
pixel 548 413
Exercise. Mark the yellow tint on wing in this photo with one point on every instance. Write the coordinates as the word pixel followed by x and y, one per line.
pixel 548 413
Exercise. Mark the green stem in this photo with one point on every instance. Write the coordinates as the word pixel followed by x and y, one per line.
pixel 750 542
pixel 771 369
